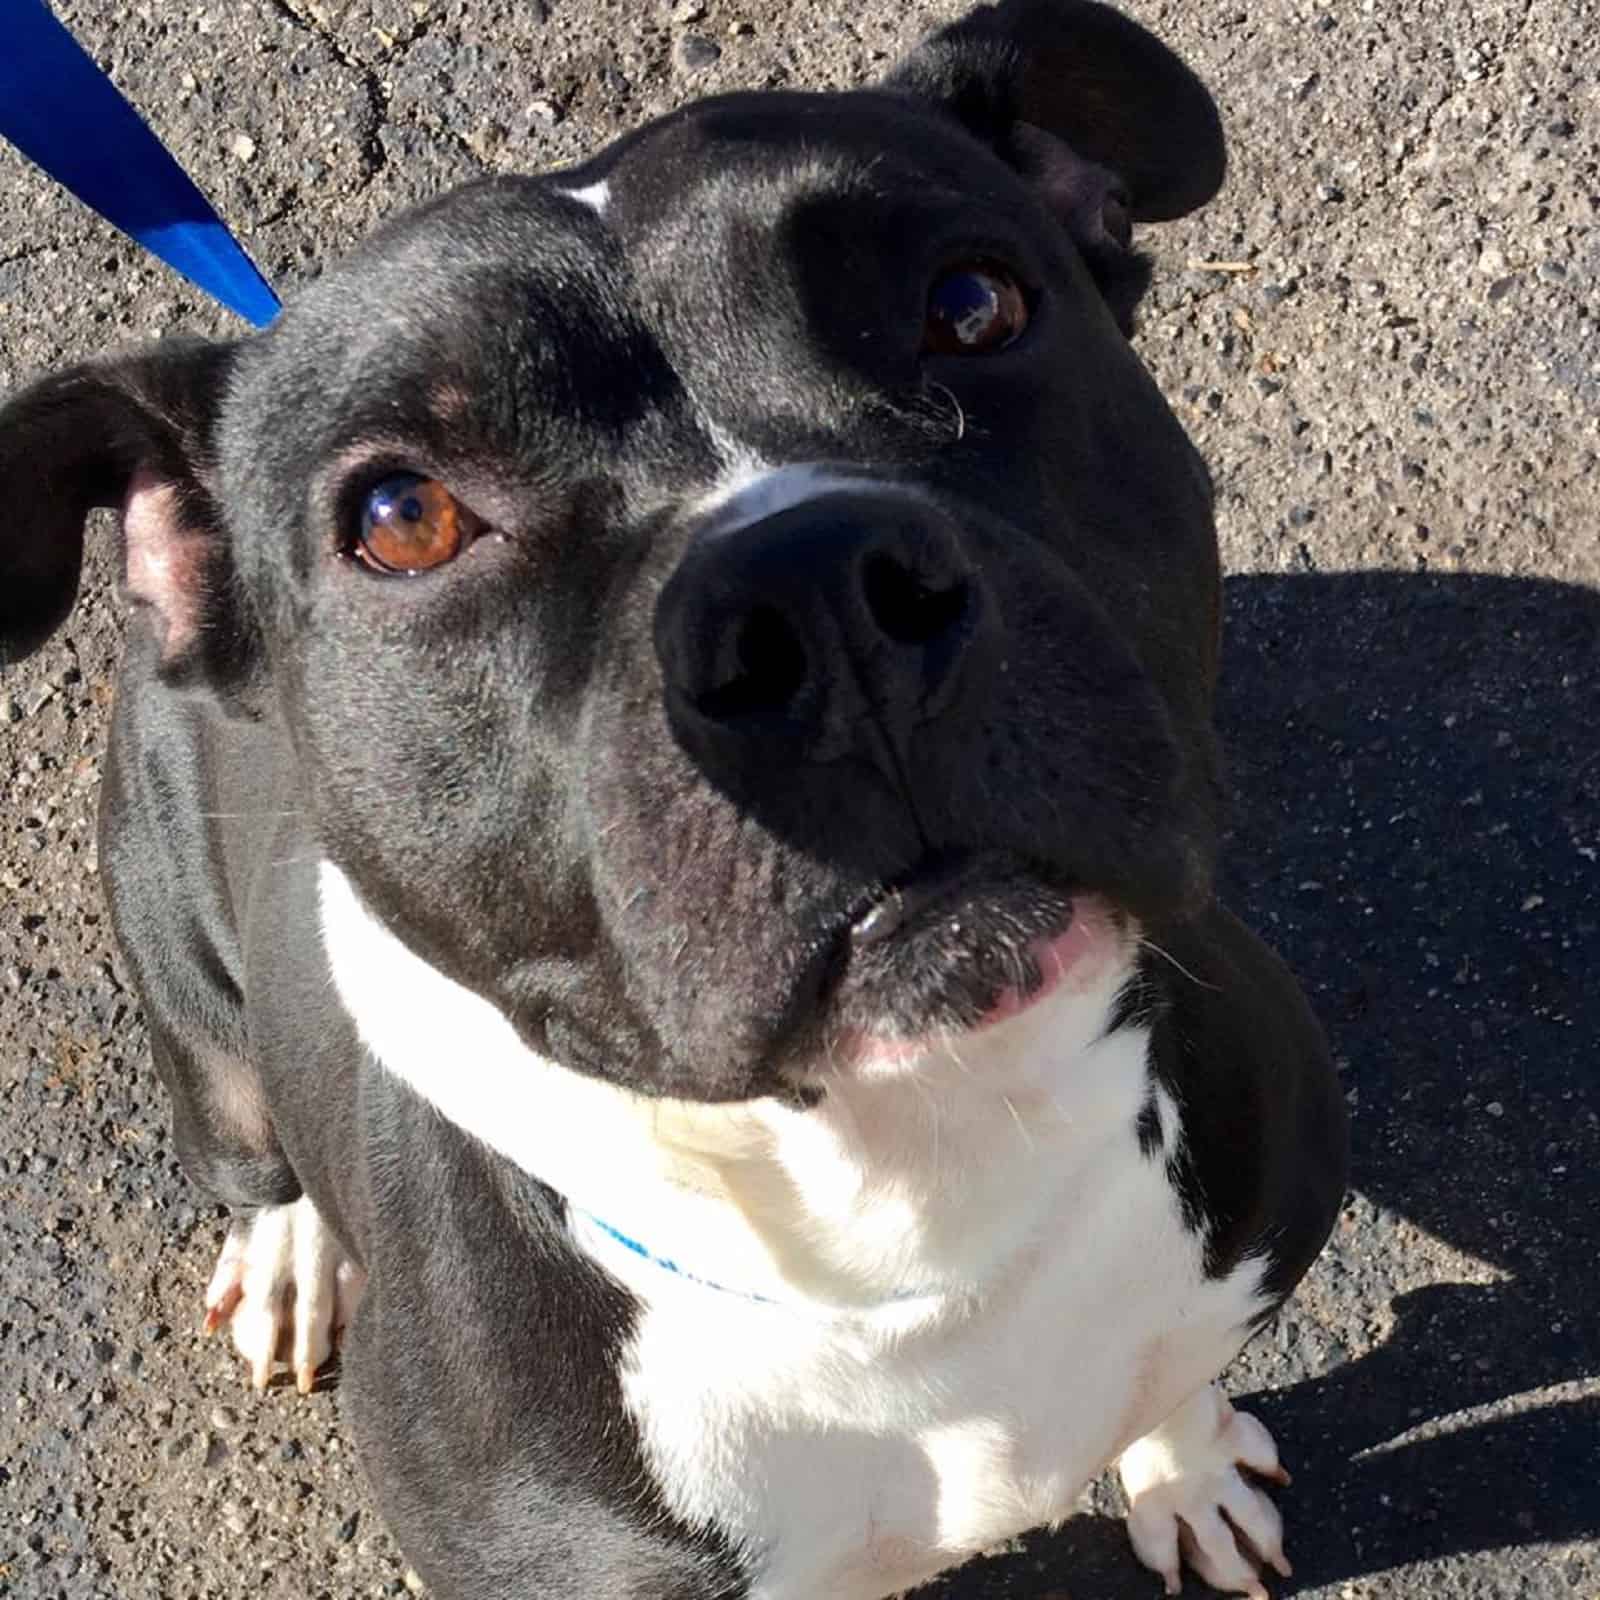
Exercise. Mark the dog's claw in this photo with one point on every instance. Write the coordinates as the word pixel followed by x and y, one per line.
pixel 226 1287
pixel 1188 1493
pixel 282 1280
pixel 216 1315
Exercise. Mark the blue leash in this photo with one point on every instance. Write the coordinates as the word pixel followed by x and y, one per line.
pixel 64 114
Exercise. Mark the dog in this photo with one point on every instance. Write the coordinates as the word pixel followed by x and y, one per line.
pixel 662 807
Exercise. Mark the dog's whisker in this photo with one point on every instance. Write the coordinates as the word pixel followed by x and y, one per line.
pixel 1022 1127
pixel 1149 944
pixel 955 403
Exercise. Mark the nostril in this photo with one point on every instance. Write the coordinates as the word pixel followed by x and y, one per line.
pixel 905 608
pixel 764 670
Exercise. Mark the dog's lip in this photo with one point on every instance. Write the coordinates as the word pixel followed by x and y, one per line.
pixel 949 894
pixel 1056 959
pixel 899 904
pixel 1089 935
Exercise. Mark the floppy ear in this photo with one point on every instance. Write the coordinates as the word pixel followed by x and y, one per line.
pixel 133 433
pixel 1110 126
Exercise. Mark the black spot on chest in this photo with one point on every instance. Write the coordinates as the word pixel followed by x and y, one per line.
pixel 1212 1156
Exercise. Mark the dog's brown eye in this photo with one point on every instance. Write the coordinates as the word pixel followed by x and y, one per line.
pixel 973 309
pixel 412 524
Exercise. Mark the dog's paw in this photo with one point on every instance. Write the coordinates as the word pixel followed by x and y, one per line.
pixel 1189 1497
pixel 286 1290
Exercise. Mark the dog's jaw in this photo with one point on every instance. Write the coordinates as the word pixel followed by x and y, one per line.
pixel 914 1173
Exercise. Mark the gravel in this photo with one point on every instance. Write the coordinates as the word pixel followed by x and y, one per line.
pixel 1398 385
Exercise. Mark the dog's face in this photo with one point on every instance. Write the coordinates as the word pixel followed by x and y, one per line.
pixel 727 600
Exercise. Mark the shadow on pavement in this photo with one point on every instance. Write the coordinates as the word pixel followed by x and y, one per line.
pixel 1416 827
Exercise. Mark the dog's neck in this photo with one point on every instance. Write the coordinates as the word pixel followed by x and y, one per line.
pixel 919 1173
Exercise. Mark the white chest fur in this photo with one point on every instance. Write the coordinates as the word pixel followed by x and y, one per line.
pixel 856 1453
pixel 909 1322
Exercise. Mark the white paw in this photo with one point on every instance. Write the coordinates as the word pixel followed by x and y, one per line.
pixel 285 1288
pixel 1188 1498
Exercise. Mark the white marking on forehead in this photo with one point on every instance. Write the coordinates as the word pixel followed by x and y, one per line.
pixel 597 196
pixel 751 491
pixel 740 464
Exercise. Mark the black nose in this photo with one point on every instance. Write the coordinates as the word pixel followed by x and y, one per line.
pixel 832 625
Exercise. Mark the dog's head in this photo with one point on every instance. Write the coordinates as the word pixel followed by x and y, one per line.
pixel 741 593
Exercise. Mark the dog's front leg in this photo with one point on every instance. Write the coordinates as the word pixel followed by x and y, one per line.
pixel 1187 1494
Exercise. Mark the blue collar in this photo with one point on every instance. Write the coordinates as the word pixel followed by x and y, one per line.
pixel 62 112
pixel 668 1265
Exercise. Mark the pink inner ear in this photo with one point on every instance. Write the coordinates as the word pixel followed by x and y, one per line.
pixel 166 560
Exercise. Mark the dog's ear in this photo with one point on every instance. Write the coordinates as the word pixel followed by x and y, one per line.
pixel 133 433
pixel 1105 120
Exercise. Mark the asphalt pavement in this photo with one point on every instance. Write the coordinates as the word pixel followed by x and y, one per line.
pixel 1385 336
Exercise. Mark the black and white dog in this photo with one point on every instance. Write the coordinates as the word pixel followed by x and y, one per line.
pixel 662 808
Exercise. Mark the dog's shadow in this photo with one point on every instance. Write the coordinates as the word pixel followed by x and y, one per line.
pixel 1416 827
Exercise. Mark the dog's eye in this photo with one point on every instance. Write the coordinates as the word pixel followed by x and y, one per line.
pixel 974 309
pixel 412 524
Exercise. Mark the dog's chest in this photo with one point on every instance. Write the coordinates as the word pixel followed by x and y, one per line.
pixel 1033 1299
pixel 855 1456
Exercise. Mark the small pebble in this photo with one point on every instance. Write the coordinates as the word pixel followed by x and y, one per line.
pixel 243 147
pixel 696 52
